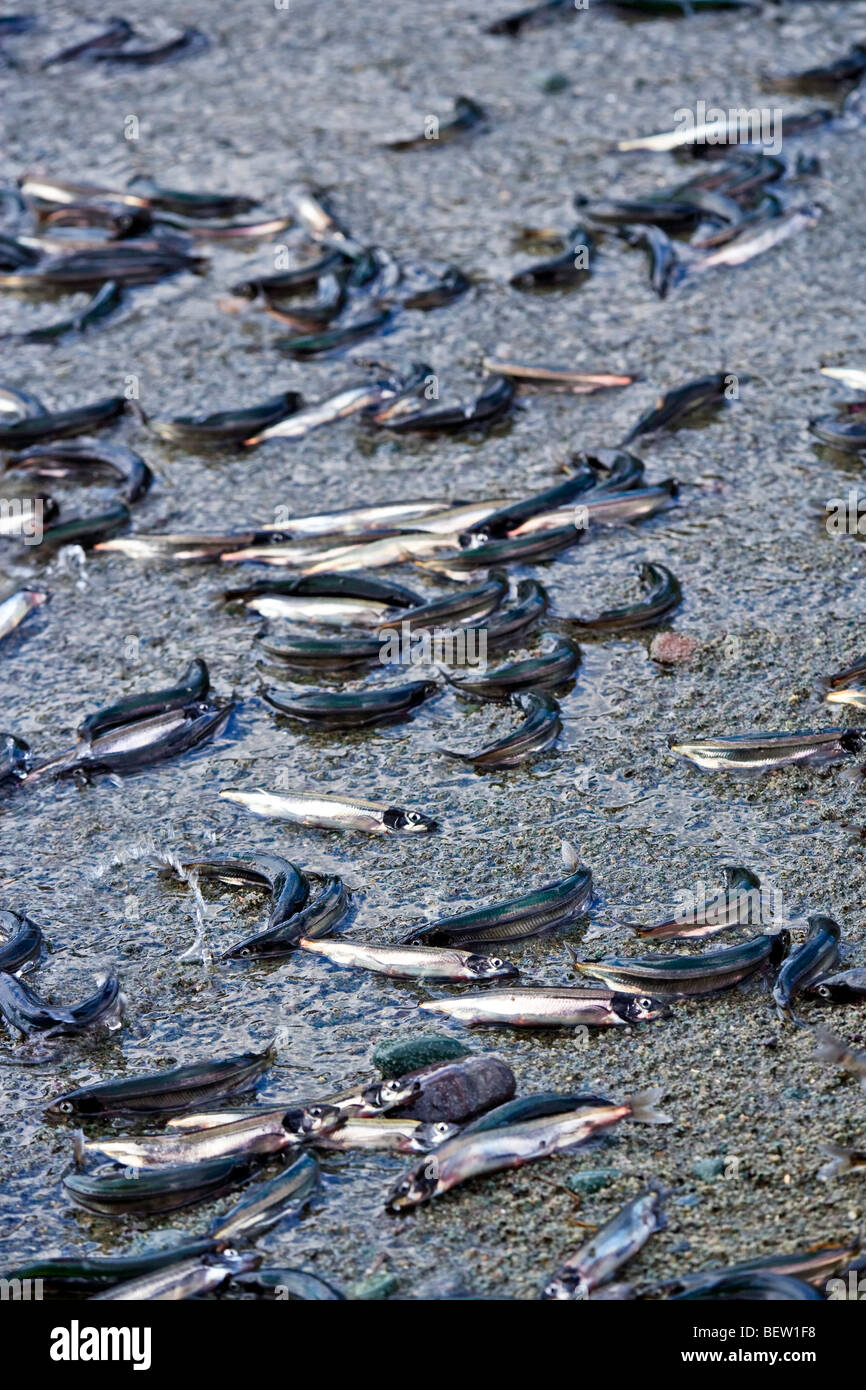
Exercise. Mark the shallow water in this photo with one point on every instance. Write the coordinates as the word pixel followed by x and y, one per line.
pixel 305 94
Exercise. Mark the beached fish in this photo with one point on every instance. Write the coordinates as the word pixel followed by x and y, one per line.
pixel 616 1242
pixel 837 1053
pixel 15 608
pixel 193 1278
pixel 262 1132
pixel 681 403
pixel 468 116
pixel 228 426
pixel 513 1145
pixel 549 1008
pixel 388 1135
pixel 270 1203
pixel 755 753
pixel 286 884
pixel 846 987
pixel 412 962
pixel 161 1189
pixel 552 670
pixel 351 709
pixel 27 1011
pixel 842 1160
pixel 673 977
pixel 663 596
pixel 806 962
pixel 35 428
pixel 538 732
pixel 759 237
pixel 320 916
pixel 738 904
pixel 603 508
pixel 812 1266
pixel 339 407
pixel 329 812
pixel 82 459
pixel 23 941
pixel 165 1092
pixel 555 378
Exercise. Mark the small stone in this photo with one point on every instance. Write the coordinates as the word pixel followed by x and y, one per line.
pixel 708 1168
pixel 377 1287
pixel 690 1200
pixel 396 1058
pixel 548 80
pixel 591 1180
pixel 672 648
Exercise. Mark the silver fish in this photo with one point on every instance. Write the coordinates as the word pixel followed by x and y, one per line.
pixel 554 1007
pixel 322 812
pixel 330 612
pixel 617 1241
pixel 390 1136
pixel 15 608
pixel 191 1278
pixel 264 1132
pixel 413 962
pixel 755 753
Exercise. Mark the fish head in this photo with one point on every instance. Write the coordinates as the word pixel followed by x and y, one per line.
pixel 565 1287
pixel 399 822
pixel 416 1187
pixel 64 1107
pixel 827 993
pixel 305 1121
pixel 397 1090
pixel 781 946
pixel 428 1136
pixel 639 1008
pixel 489 967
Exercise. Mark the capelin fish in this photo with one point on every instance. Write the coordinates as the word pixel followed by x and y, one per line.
pixel 184 44
pixel 69 1274
pixel 122 263
pixel 23 942
pixel 85 531
pixel 751 1287
pixel 388 1136
pixel 529 375
pixel 532 1108
pixel 227 426
pixel 506 624
pixel 603 508
pixel 817 953
pixel 759 237
pixel 15 608
pixel 286 884
pixel 703 133
pixel 570 267
pixel 523 549
pixel 412 962
pixel 24 405
pixel 330 612
pixel 60 424
pixel 662 211
pixel 847 987
pixel 549 1008
pixel 666 267
pixel 164 1092
pixel 513 1145
pixel 755 753
pixel 193 685
pixel 505 520
pixel 842 1161
pixel 538 732
pixel 674 977
pixel 535 14
pixel 350 584
pixel 114 36
pixel 465 607
pixel 552 670
pixel 352 709
pixel 468 116
pixel 663 597
pixel 846 434
pixel 289 282
pixel 14 758
pixel 738 904
pixel 492 404
pixel 25 1010
pixel 143 743
pixel 195 203
pixel 163 1189
pixel 330 339
pixel 326 653
pixel 610 1248
pixel 393 549
pixel 194 1278
pixel 270 1203
pixel 101 304
pixel 837 1053
pixel 829 76
pixel 461 517
pixel 325 812
pixel 264 1132
pixel 339 407
pixel 376 1097
pixel 353 520
pixel 513 918
pixel 177 547
pixel 73 460
pixel 853 377
pixel 320 916
pixel 682 403
pixel 812 1266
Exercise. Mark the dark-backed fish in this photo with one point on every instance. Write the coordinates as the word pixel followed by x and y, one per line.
pixel 672 977
pixel 60 424
pixel 846 987
pixel 194 1278
pixel 468 116
pixel 514 918
pixel 286 884
pixel 491 405
pixel 609 1248
pixel 737 905
pixel 664 595
pixel 75 460
pixel 755 753
pixel 85 531
pixel 227 426
pixel 682 403
pixel 570 267
pixel 538 732
pixel 317 918
pixel 165 1092
pixel 193 685
pixel 25 1010
pixel 22 942
pixel 351 709
pixel 160 1190
pixel 270 1203
pixel 551 670
pixel 806 962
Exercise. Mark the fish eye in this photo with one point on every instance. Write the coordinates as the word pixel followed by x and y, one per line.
pixel 823 991
pixel 65 1107
pixel 414 817
pixel 645 1003
pixel 244 951
pixel 496 963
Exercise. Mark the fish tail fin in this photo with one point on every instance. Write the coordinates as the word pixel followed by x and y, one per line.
pixel 78 1148
pixel 830 1048
pixel 643 1106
